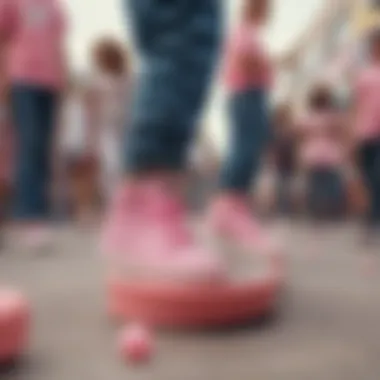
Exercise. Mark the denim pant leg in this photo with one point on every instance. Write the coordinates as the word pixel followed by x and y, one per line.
pixel 33 111
pixel 369 162
pixel 249 135
pixel 335 193
pixel 315 192
pixel 178 42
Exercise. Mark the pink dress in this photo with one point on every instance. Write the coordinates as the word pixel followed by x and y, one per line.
pixel 35 33
pixel 321 147
pixel 367 93
pixel 246 40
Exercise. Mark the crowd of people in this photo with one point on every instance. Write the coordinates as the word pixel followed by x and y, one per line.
pixel 334 145
pixel 60 133
pixel 63 137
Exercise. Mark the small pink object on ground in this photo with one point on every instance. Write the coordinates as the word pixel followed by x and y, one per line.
pixel 14 325
pixel 136 344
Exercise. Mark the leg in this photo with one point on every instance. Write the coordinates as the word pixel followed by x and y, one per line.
pixel 367 166
pixel 283 189
pixel 33 113
pixel 249 137
pixel 47 113
pixel 314 192
pixel 230 215
pixel 24 103
pixel 178 42
pixel 338 194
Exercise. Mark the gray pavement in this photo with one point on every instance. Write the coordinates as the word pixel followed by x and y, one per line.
pixel 327 329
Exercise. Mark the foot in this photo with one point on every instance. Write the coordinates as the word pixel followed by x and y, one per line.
pixel 147 237
pixel 236 231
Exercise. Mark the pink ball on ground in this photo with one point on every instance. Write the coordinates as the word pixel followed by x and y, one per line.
pixel 136 344
pixel 14 325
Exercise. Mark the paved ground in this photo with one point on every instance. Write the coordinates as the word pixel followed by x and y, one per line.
pixel 327 330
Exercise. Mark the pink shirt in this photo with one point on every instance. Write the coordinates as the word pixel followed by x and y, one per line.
pixel 367 93
pixel 246 40
pixel 321 147
pixel 35 32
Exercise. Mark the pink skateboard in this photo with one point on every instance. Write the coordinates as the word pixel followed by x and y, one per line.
pixel 193 306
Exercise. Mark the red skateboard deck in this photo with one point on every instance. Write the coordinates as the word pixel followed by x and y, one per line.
pixel 193 306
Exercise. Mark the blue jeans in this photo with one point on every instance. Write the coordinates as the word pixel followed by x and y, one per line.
pixel 369 163
pixel 178 42
pixel 326 193
pixel 249 136
pixel 33 112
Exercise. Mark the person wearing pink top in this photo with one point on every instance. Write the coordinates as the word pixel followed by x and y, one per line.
pixel 323 154
pixel 248 76
pixel 32 36
pixel 367 127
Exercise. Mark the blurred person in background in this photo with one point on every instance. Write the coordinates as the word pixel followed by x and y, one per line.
pixel 283 157
pixel 146 231
pixel 109 87
pixel 32 36
pixel 323 154
pixel 77 181
pixel 248 75
pixel 367 129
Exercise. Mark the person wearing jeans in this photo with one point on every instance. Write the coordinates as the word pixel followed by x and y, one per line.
pixel 34 111
pixel 146 229
pixel 326 192
pixel 32 35
pixel 248 77
pixel 369 163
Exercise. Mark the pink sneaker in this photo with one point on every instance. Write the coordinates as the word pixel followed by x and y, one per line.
pixel 236 232
pixel 146 235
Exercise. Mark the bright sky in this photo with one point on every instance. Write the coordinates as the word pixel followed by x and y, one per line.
pixel 90 19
